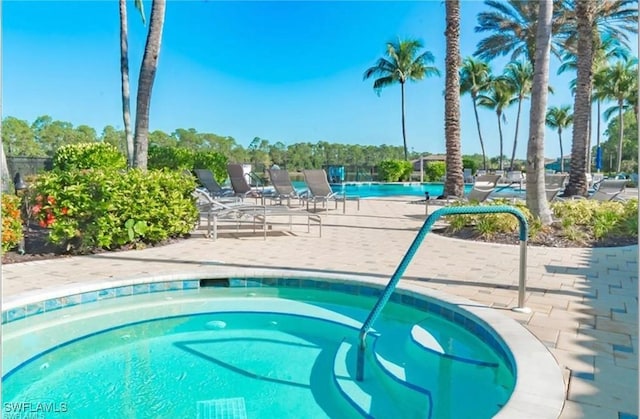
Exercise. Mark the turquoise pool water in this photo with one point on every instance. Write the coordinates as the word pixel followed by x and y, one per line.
pixel 375 189
pixel 249 352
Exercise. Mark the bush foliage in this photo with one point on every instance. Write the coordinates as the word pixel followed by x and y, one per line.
pixel 578 219
pixel 88 156
pixel 394 170
pixel 179 159
pixel 93 208
pixel 11 222
pixel 434 171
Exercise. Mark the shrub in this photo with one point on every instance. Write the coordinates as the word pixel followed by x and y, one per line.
pixel 470 164
pixel 178 158
pixel 434 171
pixel 394 170
pixel 11 222
pixel 88 156
pixel 87 209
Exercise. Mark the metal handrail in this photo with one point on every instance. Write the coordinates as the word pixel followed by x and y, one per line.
pixel 426 227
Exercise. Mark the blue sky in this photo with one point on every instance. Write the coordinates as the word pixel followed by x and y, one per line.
pixel 284 71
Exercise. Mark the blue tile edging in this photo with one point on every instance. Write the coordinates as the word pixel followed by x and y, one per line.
pixel 402 297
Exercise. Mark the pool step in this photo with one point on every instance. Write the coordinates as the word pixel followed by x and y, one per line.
pixel 422 361
pixel 379 395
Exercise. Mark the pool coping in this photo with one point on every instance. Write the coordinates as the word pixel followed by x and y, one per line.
pixel 539 390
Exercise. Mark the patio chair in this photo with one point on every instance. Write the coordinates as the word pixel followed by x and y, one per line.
pixel 240 185
pixel 216 211
pixel 609 190
pixel 320 191
pixel 482 188
pixel 284 189
pixel 468 177
pixel 553 185
pixel 208 181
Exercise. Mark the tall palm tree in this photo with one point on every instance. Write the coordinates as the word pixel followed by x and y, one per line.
pixel 145 82
pixel 454 181
pixel 621 81
pixel 559 118
pixel 403 62
pixel 498 98
pixel 513 25
pixel 475 76
pixel 536 197
pixel 124 73
pixel 519 74
pixel 584 10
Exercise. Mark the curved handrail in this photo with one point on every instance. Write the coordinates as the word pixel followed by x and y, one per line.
pixel 426 227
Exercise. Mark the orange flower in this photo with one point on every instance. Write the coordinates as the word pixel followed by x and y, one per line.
pixel 51 200
pixel 42 223
pixel 36 208
pixel 64 210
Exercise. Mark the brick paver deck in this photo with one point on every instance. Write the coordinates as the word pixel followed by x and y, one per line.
pixel 584 301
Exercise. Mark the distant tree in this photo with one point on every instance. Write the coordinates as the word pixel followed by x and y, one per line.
pixel 145 82
pixel 115 137
pixel 18 138
pixel 403 62
pixel 475 77
pixel 621 80
pixel 124 74
pixel 518 74
pixel 559 118
pixel 498 98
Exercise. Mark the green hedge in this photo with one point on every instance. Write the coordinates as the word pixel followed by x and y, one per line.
pixel 93 208
pixel 394 170
pixel 88 156
pixel 177 158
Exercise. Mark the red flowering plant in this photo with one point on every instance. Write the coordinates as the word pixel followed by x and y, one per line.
pixel 11 222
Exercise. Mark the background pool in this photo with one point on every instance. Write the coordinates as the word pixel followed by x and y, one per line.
pixel 375 189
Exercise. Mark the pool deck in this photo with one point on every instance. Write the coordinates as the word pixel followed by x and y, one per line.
pixel 584 302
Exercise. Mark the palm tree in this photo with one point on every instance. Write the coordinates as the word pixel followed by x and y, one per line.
pixel 620 82
pixel 145 82
pixel 475 76
pixel 559 118
pixel 519 75
pixel 513 24
pixel 536 197
pixel 454 181
pixel 498 98
pixel 402 63
pixel 124 73
pixel 584 12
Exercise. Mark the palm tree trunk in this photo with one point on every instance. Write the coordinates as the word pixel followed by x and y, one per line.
pixel 582 106
pixel 501 142
pixel 536 197
pixel 484 154
pixel 145 82
pixel 620 135
pixel 598 133
pixel 454 181
pixel 404 130
pixel 515 137
pixel 561 152
pixel 124 72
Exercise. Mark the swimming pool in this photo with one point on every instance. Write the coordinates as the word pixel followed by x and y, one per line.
pixel 258 347
pixel 380 189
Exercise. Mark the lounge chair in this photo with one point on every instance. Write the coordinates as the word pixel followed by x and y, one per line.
pixel 284 189
pixel 208 181
pixel 609 190
pixel 516 177
pixel 216 211
pixel 553 185
pixel 240 185
pixel 468 176
pixel 482 188
pixel 320 191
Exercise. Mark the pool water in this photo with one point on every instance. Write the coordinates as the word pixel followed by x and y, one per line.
pixel 250 353
pixel 375 189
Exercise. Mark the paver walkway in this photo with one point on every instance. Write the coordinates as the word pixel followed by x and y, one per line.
pixel 584 301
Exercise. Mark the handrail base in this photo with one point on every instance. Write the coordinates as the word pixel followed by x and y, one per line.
pixel 525 310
